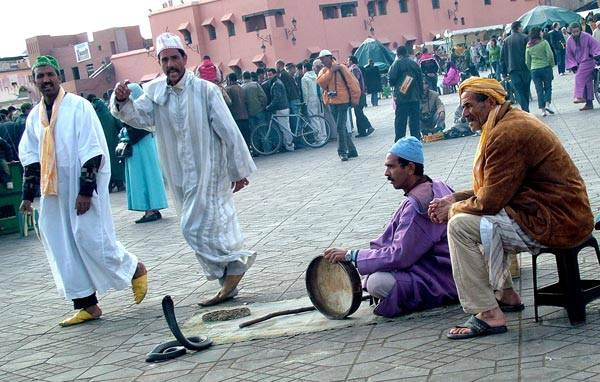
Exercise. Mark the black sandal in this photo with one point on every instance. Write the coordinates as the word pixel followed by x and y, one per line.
pixel 479 328
pixel 507 308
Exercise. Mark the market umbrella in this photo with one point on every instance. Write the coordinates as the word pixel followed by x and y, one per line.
pixel 543 15
pixel 371 48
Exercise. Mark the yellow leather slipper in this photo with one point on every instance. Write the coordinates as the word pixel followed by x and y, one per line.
pixel 140 287
pixel 78 318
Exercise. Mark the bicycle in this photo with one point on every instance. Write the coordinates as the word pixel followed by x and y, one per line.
pixel 267 139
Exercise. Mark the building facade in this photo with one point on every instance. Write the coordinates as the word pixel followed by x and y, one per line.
pixel 242 34
pixel 86 65
pixel 16 83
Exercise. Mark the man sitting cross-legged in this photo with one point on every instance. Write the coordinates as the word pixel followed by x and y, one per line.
pixel 408 266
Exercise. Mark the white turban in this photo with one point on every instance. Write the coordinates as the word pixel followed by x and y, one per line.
pixel 168 40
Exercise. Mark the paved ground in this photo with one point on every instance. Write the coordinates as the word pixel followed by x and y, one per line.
pixel 298 204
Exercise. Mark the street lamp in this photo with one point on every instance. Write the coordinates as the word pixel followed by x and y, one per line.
pixel 289 32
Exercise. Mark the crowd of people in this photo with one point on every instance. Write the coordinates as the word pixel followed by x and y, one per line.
pixel 290 89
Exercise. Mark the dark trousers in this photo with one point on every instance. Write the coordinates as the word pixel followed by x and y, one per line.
pixel 244 127
pixel 340 115
pixel 362 122
pixel 521 82
pixel 411 112
pixel 85 302
pixel 431 79
pixel 560 60
pixel 374 98
pixel 542 79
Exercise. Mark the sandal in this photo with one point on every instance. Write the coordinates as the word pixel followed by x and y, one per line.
pixel 479 328
pixel 507 308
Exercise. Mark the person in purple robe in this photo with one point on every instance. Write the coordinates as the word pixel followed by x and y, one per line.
pixel 408 267
pixel 582 52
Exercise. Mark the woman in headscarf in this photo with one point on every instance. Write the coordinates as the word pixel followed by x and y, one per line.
pixel 145 186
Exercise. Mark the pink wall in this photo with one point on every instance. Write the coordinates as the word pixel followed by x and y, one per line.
pixel 313 32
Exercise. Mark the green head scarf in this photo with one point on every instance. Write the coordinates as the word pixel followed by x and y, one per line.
pixel 46 61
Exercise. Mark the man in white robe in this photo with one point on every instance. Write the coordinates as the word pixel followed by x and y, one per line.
pixel 204 160
pixel 64 152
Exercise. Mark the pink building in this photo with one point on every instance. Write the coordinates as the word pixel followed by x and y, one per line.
pixel 241 34
pixel 86 66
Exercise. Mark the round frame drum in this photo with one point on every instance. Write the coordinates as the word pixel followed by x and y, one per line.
pixel 334 289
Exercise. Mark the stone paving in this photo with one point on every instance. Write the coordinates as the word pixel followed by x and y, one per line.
pixel 297 205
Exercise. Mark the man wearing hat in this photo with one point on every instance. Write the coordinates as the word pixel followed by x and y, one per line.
pixel 341 90
pixel 204 160
pixel 65 157
pixel 527 194
pixel 408 267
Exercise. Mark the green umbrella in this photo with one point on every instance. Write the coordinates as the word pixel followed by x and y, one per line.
pixel 373 49
pixel 543 15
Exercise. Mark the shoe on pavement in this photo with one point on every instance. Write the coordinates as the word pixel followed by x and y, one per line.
pixel 344 157
pixel 78 318
pixel 549 108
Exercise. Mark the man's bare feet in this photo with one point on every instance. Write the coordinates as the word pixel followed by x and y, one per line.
pixel 226 292
pixel 94 310
pixel 140 270
pixel 493 318
pixel 508 296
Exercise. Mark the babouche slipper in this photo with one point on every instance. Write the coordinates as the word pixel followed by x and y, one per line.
pixel 507 308
pixel 140 287
pixel 78 318
pixel 479 328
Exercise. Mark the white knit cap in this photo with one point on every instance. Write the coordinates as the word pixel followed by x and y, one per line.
pixel 324 53
pixel 168 40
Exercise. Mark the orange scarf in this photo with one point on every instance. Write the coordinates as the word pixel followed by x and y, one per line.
pixel 49 173
pixel 497 113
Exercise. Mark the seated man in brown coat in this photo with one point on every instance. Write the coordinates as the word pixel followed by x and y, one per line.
pixel 527 194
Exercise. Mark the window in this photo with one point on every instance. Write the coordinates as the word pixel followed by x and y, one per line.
pixel 382 7
pixel 99 48
pixel 62 75
pixel 255 23
pixel 113 47
pixel 377 7
pixel 462 21
pixel 187 36
pixel 371 8
pixel 278 20
pixel 330 12
pixel 75 71
pixel 487 2
pixel 403 6
pixel 348 10
pixel 230 28
pixel 212 32
pixel 89 68
pixel 435 4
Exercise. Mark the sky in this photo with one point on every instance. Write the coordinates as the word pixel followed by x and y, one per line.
pixel 26 18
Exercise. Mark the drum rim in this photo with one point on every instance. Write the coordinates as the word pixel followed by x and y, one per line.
pixel 355 281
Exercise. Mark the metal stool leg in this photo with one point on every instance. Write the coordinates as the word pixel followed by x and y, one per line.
pixel 534 267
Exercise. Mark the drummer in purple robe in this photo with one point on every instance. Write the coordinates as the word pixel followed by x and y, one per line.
pixel 408 267
pixel 582 50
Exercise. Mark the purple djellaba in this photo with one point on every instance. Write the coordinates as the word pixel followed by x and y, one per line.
pixel 408 267
pixel 582 48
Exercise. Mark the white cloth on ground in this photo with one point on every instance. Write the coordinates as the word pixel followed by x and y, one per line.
pixel 201 152
pixel 82 251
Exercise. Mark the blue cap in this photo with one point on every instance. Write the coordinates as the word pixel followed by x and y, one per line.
pixel 409 148
pixel 136 90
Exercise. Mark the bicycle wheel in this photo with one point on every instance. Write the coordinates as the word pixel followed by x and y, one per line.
pixel 265 139
pixel 315 131
pixel 597 84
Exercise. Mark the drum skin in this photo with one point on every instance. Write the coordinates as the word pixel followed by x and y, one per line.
pixel 334 289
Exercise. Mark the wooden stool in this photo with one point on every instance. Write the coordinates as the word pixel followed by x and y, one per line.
pixel 570 291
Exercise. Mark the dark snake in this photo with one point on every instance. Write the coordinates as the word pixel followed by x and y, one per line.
pixel 173 349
